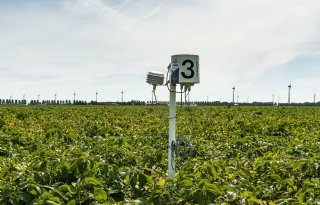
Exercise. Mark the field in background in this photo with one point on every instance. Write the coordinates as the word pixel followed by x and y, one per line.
pixel 114 154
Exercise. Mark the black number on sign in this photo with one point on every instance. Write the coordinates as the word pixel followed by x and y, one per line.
pixel 188 68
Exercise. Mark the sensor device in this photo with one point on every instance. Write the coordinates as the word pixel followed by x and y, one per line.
pixel 155 78
pixel 184 69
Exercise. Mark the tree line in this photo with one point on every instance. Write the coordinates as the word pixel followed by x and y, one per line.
pixel 137 102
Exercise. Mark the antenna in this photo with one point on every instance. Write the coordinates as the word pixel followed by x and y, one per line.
pixel 289 92
pixel 155 78
pixel 233 88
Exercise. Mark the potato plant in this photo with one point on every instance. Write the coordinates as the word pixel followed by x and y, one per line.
pixel 118 155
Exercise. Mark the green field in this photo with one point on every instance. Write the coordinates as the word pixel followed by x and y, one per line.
pixel 106 155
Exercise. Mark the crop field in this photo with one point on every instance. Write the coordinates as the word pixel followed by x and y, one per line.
pixel 118 155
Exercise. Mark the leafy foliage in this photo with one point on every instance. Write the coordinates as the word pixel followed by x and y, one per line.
pixel 107 155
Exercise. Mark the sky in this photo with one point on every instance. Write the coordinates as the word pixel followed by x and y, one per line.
pixel 63 47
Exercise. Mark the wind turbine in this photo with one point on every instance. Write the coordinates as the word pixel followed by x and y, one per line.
pixel 289 92
pixel 233 94
pixel 122 96
pixel 96 96
pixel 272 99
pixel 314 98
pixel 74 96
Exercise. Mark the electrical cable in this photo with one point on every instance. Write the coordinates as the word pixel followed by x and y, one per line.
pixel 181 150
pixel 167 83
pixel 155 97
pixel 173 154
pixel 187 102
pixel 180 110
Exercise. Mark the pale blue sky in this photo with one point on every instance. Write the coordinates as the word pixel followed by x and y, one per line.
pixel 62 46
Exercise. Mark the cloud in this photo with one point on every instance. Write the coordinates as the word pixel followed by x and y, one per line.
pixel 78 41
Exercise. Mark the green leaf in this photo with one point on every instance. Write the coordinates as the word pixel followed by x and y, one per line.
pixel 100 194
pixel 144 179
pixel 212 187
pixel 26 197
pixel 301 197
pixel 186 183
pixel 161 182
pixel 92 180
pixel 244 172
pixel 254 199
pixel 290 181
pixel 199 197
pixel 67 189
pixel 72 202
pixel 248 194
pixel 212 171
pixel 49 202
pixel 275 177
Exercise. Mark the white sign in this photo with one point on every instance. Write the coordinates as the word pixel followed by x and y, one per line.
pixel 188 66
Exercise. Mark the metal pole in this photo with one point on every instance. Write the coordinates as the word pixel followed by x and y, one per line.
pixel 172 129
pixel 152 97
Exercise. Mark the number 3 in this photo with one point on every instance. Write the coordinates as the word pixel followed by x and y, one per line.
pixel 188 68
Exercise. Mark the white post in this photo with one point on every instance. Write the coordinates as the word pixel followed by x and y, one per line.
pixel 172 129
